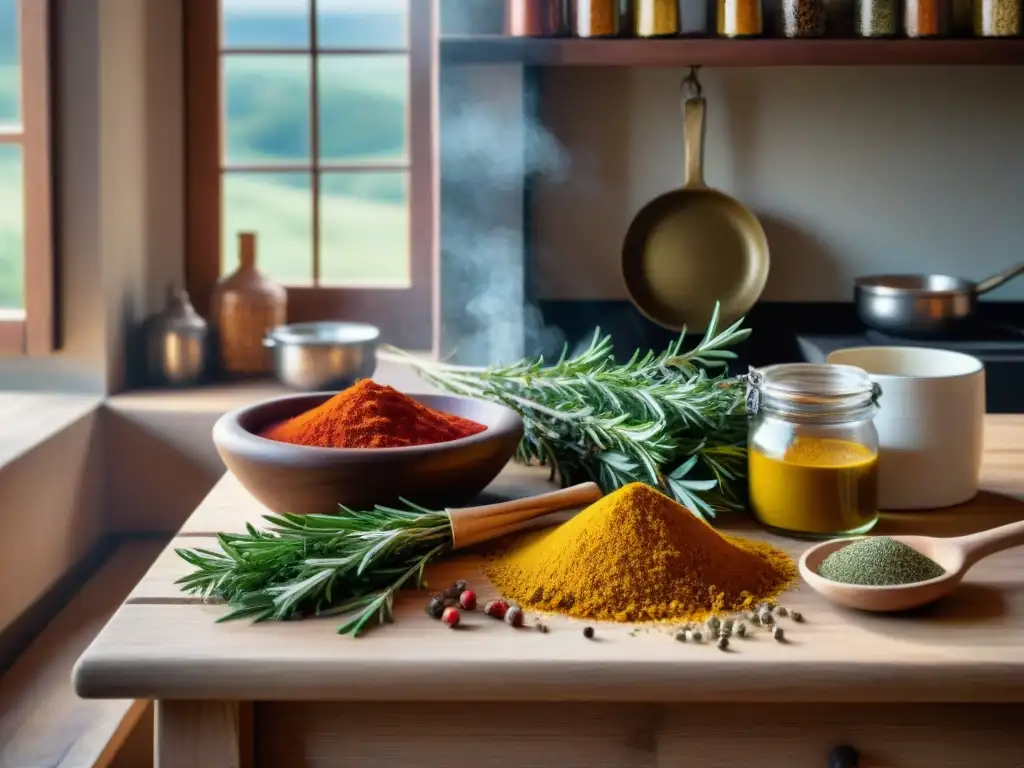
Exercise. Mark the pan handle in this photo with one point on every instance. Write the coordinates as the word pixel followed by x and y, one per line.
pixel 995 281
pixel 693 132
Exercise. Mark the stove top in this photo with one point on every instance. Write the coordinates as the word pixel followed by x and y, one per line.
pixel 987 341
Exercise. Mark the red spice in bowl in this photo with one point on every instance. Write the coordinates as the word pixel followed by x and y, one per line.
pixel 369 415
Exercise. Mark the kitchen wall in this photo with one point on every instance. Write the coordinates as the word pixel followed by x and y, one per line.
pixel 119 201
pixel 852 170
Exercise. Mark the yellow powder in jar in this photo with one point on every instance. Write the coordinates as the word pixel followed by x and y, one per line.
pixel 818 486
pixel 637 555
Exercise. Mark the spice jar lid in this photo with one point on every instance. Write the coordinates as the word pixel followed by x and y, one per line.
pixel 812 389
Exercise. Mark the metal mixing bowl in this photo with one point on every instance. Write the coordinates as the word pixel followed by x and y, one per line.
pixel 323 356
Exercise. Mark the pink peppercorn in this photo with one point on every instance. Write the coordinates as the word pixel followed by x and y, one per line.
pixel 496 608
pixel 468 600
pixel 451 616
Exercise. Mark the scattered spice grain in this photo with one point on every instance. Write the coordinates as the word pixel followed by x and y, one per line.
pixel 514 616
pixel 778 634
pixel 368 415
pixel 796 616
pixel 878 561
pixel 723 643
pixel 782 611
pixel 681 635
pixel 741 630
pixel 637 555
pixel 588 632
pixel 697 636
pixel 467 600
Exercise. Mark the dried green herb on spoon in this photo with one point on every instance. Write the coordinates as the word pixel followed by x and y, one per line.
pixel 350 564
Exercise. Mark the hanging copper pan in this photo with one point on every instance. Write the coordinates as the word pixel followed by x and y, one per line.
pixel 694 246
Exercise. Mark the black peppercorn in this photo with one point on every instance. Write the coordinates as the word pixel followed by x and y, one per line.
pixel 588 632
pixel 435 608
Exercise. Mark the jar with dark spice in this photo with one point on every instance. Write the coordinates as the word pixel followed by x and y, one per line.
pixel 997 18
pixel 596 18
pixel 740 18
pixel 656 18
pixel 876 18
pixel 803 18
pixel 927 18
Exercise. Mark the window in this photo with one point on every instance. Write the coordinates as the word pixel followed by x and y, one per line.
pixel 26 233
pixel 313 124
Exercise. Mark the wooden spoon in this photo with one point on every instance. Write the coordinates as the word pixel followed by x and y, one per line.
pixel 955 555
pixel 471 525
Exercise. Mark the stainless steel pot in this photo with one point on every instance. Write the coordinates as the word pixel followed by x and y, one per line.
pixel 921 305
pixel 323 356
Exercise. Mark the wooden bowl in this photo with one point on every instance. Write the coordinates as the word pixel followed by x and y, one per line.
pixel 305 480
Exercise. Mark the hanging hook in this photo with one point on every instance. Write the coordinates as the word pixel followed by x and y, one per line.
pixel 692 82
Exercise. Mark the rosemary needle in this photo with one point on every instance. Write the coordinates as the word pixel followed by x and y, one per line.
pixel 349 564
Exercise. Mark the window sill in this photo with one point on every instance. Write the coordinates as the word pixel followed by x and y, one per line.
pixel 226 396
pixel 27 420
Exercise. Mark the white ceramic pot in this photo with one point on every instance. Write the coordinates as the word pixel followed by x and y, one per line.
pixel 930 423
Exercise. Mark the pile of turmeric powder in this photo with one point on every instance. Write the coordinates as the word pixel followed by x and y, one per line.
pixel 637 555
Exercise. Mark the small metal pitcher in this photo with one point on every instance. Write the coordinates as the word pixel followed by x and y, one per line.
pixel 176 341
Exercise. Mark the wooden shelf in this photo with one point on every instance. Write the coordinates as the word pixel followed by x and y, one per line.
pixel 681 52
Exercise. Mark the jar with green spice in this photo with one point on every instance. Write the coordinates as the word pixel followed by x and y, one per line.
pixel 875 18
pixel 997 18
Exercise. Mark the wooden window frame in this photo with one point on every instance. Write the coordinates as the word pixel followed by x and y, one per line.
pixel 31 330
pixel 407 316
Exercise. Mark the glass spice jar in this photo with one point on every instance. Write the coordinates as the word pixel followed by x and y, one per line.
pixel 803 18
pixel 927 18
pixel 876 18
pixel 997 18
pixel 535 18
pixel 596 18
pixel 739 18
pixel 812 451
pixel 656 18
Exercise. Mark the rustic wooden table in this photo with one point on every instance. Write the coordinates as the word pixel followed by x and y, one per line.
pixel 942 687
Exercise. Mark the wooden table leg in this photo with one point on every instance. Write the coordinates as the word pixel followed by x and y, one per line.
pixel 189 734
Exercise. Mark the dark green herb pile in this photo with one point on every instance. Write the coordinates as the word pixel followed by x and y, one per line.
pixel 879 561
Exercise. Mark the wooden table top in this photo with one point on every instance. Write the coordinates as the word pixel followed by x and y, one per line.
pixel 162 644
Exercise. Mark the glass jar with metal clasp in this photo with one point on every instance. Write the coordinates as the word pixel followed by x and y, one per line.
pixel 812 450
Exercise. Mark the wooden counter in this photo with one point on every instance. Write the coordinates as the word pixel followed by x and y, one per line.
pixel 941 687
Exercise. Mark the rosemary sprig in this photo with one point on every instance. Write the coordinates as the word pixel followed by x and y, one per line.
pixel 660 418
pixel 350 564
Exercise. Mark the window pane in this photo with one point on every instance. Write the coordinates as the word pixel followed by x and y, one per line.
pixel 10 79
pixel 364 219
pixel 278 207
pixel 12 229
pixel 363 106
pixel 362 23
pixel 267 108
pixel 265 23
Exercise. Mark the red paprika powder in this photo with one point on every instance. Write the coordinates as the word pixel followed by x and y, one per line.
pixel 368 415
